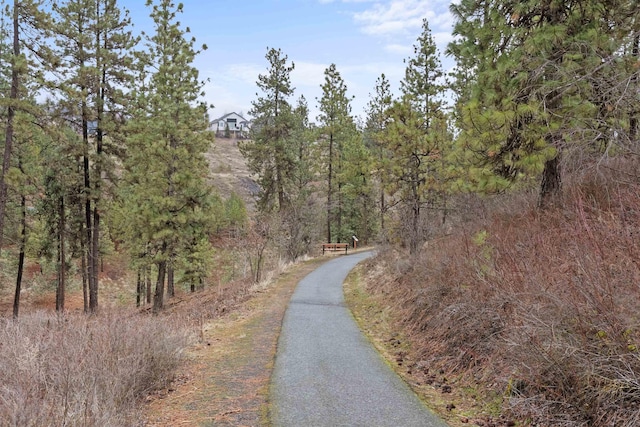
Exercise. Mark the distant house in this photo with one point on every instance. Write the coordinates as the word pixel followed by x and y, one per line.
pixel 231 125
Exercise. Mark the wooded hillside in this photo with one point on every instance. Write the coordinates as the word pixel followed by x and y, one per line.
pixel 507 190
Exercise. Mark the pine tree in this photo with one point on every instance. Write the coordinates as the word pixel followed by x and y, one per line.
pixel 417 139
pixel 422 84
pixel 165 192
pixel 62 182
pixel 299 220
pixel 413 151
pixel 94 63
pixel 377 122
pixel 358 195
pixel 268 151
pixel 28 25
pixel 16 61
pixel 24 185
pixel 539 85
pixel 278 153
pixel 235 213
pixel 23 48
pixel 337 127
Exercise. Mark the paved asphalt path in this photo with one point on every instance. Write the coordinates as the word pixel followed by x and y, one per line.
pixel 327 373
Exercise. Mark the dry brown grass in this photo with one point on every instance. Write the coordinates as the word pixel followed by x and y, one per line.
pixel 78 371
pixel 229 172
pixel 225 380
pixel 102 370
pixel 540 309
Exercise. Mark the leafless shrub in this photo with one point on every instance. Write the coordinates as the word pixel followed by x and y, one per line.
pixel 541 307
pixel 76 371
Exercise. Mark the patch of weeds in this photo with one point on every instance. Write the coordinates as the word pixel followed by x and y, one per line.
pixel 493 404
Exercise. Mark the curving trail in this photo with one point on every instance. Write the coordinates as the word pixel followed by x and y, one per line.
pixel 327 373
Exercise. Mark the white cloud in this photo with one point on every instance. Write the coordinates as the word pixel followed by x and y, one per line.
pixel 374 69
pixel 396 16
pixel 247 73
pixel 442 38
pixel 399 49
pixel 403 17
pixel 231 88
pixel 226 99
pixel 308 74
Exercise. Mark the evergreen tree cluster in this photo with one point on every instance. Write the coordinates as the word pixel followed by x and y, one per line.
pixel 538 82
pixel 393 166
pixel 540 89
pixel 100 166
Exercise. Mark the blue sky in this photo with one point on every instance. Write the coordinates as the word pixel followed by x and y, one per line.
pixel 364 38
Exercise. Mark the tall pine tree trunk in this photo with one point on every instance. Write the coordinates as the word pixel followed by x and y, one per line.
pixel 383 205
pixel 551 186
pixel 633 115
pixel 95 242
pixel 330 188
pixel 60 290
pixel 85 278
pixel 11 112
pixel 415 237
pixel 139 287
pixel 95 251
pixel 147 275
pixel 95 234
pixel 339 240
pixel 91 263
pixel 280 185
pixel 158 298
pixel 23 243
pixel 171 291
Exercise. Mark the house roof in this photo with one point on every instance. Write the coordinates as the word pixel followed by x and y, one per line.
pixel 229 115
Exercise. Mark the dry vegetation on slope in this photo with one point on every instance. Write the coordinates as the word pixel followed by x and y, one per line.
pixel 206 357
pixel 82 371
pixel 96 371
pixel 533 313
pixel 229 171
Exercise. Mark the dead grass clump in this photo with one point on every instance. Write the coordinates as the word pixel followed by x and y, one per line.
pixel 541 308
pixel 80 371
pixel 193 309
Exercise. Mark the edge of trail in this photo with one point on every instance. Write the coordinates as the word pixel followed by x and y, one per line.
pixel 327 372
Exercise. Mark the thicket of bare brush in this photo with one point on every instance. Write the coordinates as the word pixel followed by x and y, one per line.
pixel 542 308
pixel 77 371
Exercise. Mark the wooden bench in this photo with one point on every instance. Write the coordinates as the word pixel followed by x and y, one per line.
pixel 335 247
